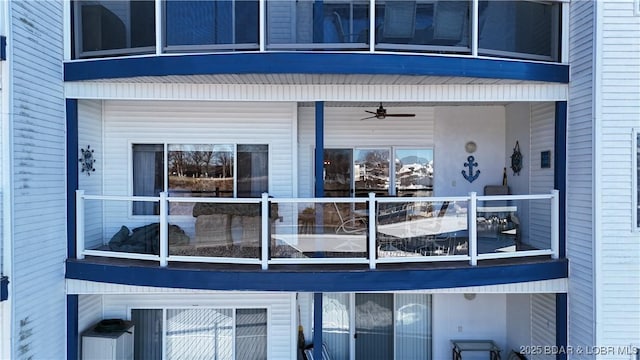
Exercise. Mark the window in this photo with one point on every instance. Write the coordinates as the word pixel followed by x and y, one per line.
pixel 200 333
pixel 197 170
pixel 412 174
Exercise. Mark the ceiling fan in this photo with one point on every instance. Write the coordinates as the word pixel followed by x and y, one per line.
pixel 381 113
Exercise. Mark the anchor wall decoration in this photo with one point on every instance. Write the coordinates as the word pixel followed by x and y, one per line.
pixel 471 163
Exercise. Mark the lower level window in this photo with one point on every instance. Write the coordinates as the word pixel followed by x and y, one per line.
pixel 200 334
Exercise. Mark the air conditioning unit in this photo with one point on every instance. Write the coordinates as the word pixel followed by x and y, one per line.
pixel 110 339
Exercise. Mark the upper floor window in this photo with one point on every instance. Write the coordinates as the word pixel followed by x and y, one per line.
pixel 197 170
pixel 110 27
pixel 505 28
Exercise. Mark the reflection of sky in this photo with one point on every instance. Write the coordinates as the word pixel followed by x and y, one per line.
pixel 423 156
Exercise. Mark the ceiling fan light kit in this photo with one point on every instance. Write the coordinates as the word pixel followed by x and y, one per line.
pixel 381 113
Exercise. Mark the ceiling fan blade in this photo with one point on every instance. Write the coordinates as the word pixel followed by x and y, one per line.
pixel 369 117
pixel 401 115
pixel 370 112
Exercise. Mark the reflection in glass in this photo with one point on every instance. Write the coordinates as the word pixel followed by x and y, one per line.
pixel 199 171
pixel 414 172
pixel 199 334
pixel 524 29
pixel 337 172
pixel 335 324
pixel 253 170
pixel 200 23
pixel 339 24
pixel 107 27
pixel 371 171
pixel 413 326
pixel 251 334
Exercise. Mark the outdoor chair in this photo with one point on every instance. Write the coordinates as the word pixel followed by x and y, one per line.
pixel 350 222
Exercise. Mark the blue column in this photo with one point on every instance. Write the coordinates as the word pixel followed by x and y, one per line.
pixel 560 183
pixel 319 192
pixel 560 168
pixel 72 327
pixel 72 174
pixel 317 325
pixel 318 22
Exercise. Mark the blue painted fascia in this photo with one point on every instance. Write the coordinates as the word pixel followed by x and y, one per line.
pixel 315 63
pixel 4 288
pixel 323 280
pixel 3 48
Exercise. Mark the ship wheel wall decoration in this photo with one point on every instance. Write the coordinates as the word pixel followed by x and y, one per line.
pixel 516 160
pixel 86 160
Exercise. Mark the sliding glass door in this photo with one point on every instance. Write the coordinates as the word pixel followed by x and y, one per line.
pixel 377 326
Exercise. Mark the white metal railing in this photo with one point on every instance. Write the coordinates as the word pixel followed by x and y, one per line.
pixel 285 231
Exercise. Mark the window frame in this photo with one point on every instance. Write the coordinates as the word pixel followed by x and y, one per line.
pixel 165 145
pixel 234 310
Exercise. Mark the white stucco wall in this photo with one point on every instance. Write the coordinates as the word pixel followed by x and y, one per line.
pixel 454 126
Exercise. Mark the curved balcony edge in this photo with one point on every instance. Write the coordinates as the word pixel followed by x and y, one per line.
pixel 316 279
pixel 315 63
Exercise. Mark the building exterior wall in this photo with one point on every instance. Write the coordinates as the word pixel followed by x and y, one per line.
pixel 38 179
pixel 617 113
pixel 580 176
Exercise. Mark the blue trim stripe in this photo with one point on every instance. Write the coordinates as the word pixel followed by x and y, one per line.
pixel 319 152
pixel 3 48
pixel 4 288
pixel 72 328
pixel 72 174
pixel 560 169
pixel 317 280
pixel 315 63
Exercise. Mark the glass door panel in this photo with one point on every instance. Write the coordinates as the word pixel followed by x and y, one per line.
pixel 337 173
pixel 414 172
pixel 336 324
pixel 371 171
pixel 374 326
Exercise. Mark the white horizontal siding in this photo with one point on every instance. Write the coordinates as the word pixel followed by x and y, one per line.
pixel 89 311
pixel 178 122
pixel 579 197
pixel 38 171
pixel 543 323
pixel 544 286
pixel 179 90
pixel 344 129
pixel 90 136
pixel 618 111
pixel 282 325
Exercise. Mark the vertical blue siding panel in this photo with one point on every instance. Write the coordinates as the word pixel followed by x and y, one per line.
pixel 560 171
pixel 72 327
pixel 317 325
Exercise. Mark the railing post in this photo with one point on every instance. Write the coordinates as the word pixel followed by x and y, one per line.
pixel 164 229
pixel 555 223
pixel 79 224
pixel 473 234
pixel 264 254
pixel 373 251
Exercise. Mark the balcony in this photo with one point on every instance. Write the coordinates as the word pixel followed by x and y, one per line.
pixel 275 232
pixel 505 29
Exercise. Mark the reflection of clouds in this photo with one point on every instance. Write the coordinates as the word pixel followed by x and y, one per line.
pixel 371 315
pixel 410 314
pixel 335 315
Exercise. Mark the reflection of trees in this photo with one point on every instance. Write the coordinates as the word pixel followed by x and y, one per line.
pixel 224 159
pixel 201 163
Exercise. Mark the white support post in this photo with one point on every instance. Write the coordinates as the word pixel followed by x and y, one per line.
pixel 164 229
pixel 79 224
pixel 264 255
pixel 372 25
pixel 475 30
pixel 262 23
pixel 159 26
pixel 473 233
pixel 373 251
pixel 555 224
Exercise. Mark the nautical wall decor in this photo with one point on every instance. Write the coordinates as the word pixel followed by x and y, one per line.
pixel 516 160
pixel 471 163
pixel 86 160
